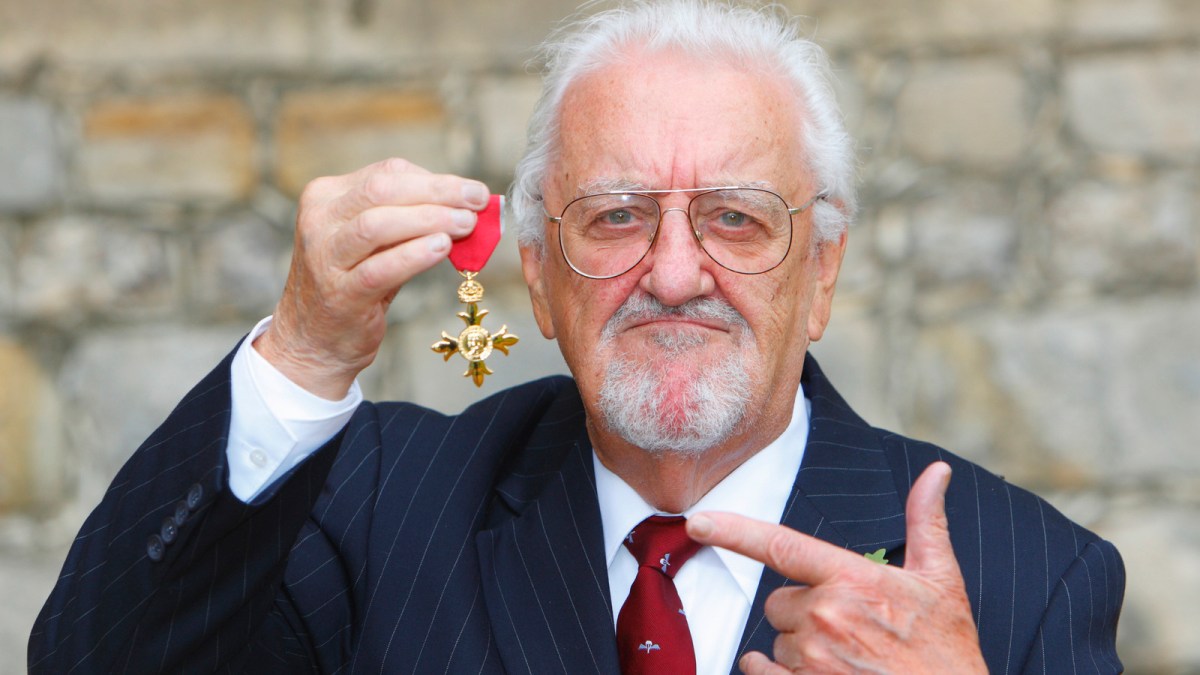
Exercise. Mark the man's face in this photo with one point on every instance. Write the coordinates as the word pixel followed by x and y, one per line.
pixel 670 122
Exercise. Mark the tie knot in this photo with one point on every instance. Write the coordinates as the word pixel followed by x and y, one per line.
pixel 661 542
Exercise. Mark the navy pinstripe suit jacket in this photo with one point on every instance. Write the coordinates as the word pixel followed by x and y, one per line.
pixel 416 542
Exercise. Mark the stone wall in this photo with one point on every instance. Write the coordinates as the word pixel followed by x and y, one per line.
pixel 1023 285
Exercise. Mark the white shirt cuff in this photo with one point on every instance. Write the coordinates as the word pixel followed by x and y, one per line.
pixel 274 423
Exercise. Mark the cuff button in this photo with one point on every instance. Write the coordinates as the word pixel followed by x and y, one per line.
pixel 181 513
pixel 155 548
pixel 194 495
pixel 169 530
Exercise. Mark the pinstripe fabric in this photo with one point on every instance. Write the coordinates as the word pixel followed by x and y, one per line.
pixel 415 542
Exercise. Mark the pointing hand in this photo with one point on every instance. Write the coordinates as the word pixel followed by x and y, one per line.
pixel 853 614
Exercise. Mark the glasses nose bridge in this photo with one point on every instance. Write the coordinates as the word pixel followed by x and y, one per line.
pixel 662 216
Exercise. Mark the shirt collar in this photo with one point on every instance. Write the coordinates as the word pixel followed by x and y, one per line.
pixel 753 490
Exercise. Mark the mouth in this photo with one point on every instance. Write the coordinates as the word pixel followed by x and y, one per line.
pixel 674 322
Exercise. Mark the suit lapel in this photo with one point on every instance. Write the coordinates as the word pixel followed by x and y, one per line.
pixel 545 579
pixel 844 494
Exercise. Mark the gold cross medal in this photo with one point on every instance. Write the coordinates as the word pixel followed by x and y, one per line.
pixel 469 255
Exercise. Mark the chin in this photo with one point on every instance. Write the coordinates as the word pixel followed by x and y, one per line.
pixel 682 400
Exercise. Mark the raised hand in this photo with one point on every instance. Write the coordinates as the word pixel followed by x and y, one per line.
pixel 359 238
pixel 854 614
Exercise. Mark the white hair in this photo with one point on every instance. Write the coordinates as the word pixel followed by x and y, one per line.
pixel 761 40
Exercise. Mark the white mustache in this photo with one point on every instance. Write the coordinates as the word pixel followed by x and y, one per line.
pixel 644 307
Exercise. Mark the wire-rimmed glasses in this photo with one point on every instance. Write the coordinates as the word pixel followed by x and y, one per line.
pixel 743 229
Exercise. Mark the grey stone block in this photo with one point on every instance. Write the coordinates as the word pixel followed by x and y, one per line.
pixel 965 112
pixel 31 165
pixel 241 265
pixel 1105 21
pixel 1066 398
pixel 75 267
pixel 867 24
pixel 504 106
pixel 1138 103
pixel 1128 237
pixel 8 269
pixel 148 35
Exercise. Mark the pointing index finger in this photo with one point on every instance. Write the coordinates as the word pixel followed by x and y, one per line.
pixel 796 556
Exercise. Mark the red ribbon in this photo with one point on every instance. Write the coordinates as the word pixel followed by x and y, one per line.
pixel 471 253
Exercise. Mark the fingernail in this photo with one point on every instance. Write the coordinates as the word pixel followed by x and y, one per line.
pixel 439 243
pixel 463 220
pixel 701 526
pixel 475 194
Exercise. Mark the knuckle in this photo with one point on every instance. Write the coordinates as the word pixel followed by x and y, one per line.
pixel 315 191
pixel 371 277
pixel 781 548
pixel 777 604
pixel 826 614
pixel 793 650
pixel 435 217
pixel 395 165
pixel 365 227
pixel 378 188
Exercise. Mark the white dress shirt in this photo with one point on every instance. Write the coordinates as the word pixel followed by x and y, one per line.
pixel 275 424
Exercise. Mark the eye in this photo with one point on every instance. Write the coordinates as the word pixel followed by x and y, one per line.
pixel 733 219
pixel 618 217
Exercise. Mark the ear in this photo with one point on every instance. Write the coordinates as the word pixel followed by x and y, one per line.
pixel 532 260
pixel 828 259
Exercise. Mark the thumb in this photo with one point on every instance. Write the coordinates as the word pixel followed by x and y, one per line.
pixel 928 549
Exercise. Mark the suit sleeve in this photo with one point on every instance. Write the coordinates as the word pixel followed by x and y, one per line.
pixel 171 572
pixel 1078 630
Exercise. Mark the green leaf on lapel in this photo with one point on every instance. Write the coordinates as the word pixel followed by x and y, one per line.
pixel 877 556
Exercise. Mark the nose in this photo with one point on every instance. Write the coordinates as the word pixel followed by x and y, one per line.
pixel 679 268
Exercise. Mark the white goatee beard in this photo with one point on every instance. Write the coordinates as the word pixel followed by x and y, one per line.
pixel 633 396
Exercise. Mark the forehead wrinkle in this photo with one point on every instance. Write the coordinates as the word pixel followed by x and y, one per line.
pixel 606 184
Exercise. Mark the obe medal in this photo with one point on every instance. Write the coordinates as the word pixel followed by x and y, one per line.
pixel 469 255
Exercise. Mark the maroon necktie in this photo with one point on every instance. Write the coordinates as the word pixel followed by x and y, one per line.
pixel 652 630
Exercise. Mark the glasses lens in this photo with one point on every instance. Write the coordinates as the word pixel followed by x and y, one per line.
pixel 746 230
pixel 606 235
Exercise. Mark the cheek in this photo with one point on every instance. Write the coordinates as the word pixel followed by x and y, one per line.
pixel 584 306
pixel 778 313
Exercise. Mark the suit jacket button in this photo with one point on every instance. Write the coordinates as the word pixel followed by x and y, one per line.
pixel 194 495
pixel 155 548
pixel 181 513
pixel 169 531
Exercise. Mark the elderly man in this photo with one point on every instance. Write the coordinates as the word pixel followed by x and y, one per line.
pixel 682 210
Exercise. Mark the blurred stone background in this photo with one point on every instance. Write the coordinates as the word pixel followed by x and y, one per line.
pixel 1023 285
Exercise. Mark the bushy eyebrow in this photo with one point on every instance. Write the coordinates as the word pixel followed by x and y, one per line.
pixel 602 185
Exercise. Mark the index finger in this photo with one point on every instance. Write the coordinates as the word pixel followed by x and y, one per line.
pixel 400 183
pixel 796 556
